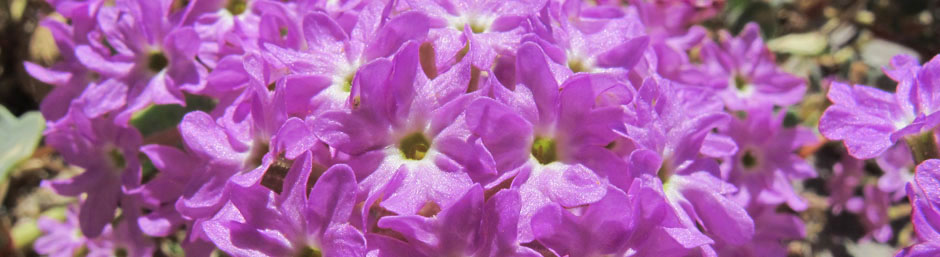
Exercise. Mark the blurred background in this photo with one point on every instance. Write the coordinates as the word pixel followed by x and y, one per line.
pixel 820 40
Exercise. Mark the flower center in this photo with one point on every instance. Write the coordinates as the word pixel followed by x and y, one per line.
pixel 579 62
pixel 347 82
pixel 665 171
pixel 117 159
pixel 283 32
pixel 236 7
pixel 477 27
pixel 82 250
pixel 748 160
pixel 157 61
pixel 343 77
pixel 478 24
pixel 577 65
pixel 414 146
pixel 120 252
pixel 695 55
pixel 742 84
pixel 544 150
pixel 309 252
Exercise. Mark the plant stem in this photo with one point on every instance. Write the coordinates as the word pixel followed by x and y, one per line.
pixel 923 146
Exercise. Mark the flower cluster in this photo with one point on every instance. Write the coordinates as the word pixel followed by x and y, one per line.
pixel 429 128
pixel 899 131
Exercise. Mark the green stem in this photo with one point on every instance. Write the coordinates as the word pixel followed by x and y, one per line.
pixel 923 146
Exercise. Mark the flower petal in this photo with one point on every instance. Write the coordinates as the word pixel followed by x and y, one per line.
pixel 532 71
pixel 207 139
pixel 344 240
pixel 505 134
pixel 719 215
pixel 403 28
pixel 332 198
pixel 625 55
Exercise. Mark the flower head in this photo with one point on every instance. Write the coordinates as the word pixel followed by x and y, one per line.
pixel 110 157
pixel 142 58
pixel 668 141
pixel 766 163
pixel 258 221
pixel 870 120
pixel 744 72
pixel 925 216
pixel 64 238
pixel 550 143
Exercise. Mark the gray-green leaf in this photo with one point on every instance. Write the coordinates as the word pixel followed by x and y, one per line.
pixel 19 138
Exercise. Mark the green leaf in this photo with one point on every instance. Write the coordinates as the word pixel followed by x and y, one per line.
pixel 741 13
pixel 20 138
pixel 156 118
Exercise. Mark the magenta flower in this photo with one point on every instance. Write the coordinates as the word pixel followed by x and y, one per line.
pixel 144 57
pixel 668 140
pixel 925 216
pixel 426 128
pixel 846 178
pixel 68 76
pixel 873 206
pixel 744 72
pixel 661 119
pixel 659 229
pixel 227 28
pixel 592 38
pixel 65 239
pixel 898 166
pixel 244 138
pixel 466 228
pixel 870 121
pixel 620 224
pixel 159 195
pixel 667 21
pixel 161 192
pixel 109 155
pixel 475 30
pixel 451 232
pixel 604 227
pixel 332 52
pixel 220 155
pixel 399 124
pixel 258 221
pixel 59 238
pixel 772 231
pixel 766 164
pixel 551 143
